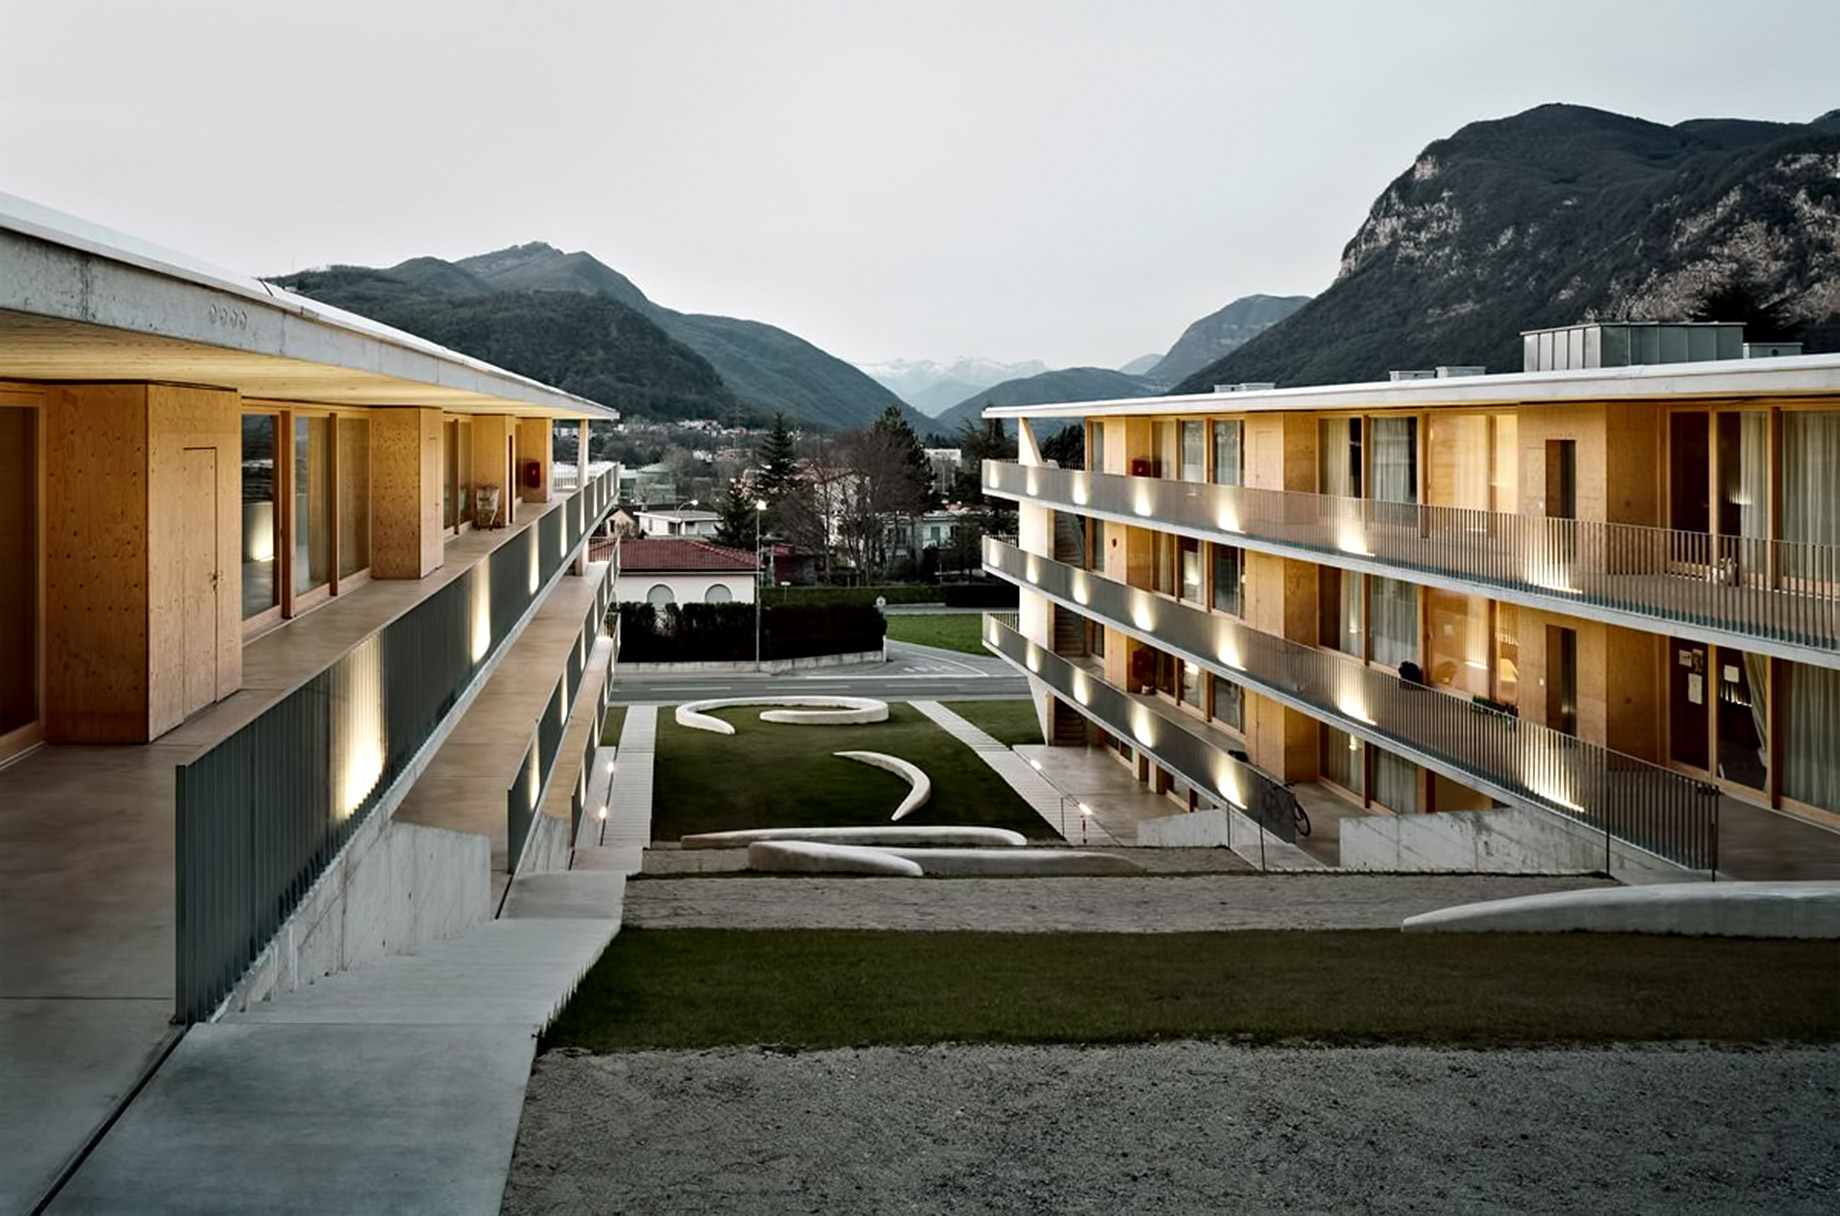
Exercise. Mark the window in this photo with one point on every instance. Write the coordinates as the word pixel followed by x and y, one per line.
pixel 1227 579
pixel 660 595
pixel 451 505
pixel 1163 567
pixel 1190 550
pixel 1395 459
pixel 19 624
pixel 1342 599
pixel 1811 763
pixel 1229 707
pixel 312 515
pixel 1395 621
pixel 354 495
pixel 1395 782
pixel 1095 553
pixel 1191 683
pixel 1229 466
pixel 1095 448
pixel 718 593
pixel 1343 760
pixel 261 520
pixel 1194 451
pixel 1338 456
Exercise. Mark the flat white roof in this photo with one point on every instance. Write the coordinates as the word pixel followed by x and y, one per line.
pixel 1786 376
pixel 78 300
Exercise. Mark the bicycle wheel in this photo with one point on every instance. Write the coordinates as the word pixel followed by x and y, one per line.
pixel 1300 818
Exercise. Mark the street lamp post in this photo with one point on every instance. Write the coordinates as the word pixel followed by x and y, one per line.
pixel 760 507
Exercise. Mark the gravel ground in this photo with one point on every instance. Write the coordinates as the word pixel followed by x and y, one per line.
pixel 1057 905
pixel 1154 861
pixel 1181 1127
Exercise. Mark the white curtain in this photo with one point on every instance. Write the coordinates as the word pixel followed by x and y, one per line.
pixel 1395 783
pixel 1227 453
pixel 1194 451
pixel 1811 763
pixel 1395 625
pixel 1336 476
pixel 1395 459
pixel 1754 474
pixel 1811 460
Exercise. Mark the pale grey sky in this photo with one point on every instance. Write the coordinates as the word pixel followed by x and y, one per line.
pixel 1068 180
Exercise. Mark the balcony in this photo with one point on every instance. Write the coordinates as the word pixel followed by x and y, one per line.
pixel 1516 762
pixel 1778 598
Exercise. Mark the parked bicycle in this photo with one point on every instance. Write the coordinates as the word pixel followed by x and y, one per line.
pixel 1278 802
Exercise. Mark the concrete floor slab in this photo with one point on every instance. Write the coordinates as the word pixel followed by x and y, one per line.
pixel 316 1119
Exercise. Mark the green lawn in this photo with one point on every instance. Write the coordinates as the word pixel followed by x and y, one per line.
pixel 1010 722
pixel 612 724
pixel 946 630
pixel 704 988
pixel 772 775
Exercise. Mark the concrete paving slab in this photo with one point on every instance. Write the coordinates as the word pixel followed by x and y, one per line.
pixel 567 895
pixel 316 1119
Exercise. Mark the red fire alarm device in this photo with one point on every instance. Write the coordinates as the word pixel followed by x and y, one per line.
pixel 1140 467
pixel 533 474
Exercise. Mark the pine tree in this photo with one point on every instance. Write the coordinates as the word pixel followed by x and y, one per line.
pixel 736 508
pixel 777 477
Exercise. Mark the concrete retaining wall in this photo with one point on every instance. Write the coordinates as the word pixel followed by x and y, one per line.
pixel 1504 841
pixel 546 849
pixel 1721 909
pixel 393 888
pixel 1224 829
pixel 770 665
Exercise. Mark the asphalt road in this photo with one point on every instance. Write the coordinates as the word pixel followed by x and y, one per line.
pixel 912 673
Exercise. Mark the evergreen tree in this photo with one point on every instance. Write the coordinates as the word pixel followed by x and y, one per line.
pixel 915 494
pixel 777 477
pixel 736 526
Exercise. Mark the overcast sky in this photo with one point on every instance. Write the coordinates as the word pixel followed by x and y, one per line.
pixel 1054 179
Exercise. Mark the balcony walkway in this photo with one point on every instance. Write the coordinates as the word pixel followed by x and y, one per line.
pixel 87 887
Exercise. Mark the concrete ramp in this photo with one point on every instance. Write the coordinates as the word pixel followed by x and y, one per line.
pixel 1723 909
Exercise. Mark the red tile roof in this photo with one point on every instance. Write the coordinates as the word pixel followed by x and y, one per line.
pixel 667 553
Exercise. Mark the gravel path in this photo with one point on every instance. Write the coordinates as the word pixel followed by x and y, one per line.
pixel 1154 861
pixel 1181 1127
pixel 1047 905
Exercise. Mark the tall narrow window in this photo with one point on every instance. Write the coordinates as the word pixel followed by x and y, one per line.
pixel 1811 500
pixel 1229 460
pixel 1229 707
pixel 1227 579
pixel 1811 763
pixel 1163 568
pixel 1095 448
pixel 1395 621
pixel 1343 761
pixel 450 475
pixel 1395 782
pixel 19 623
pixel 312 504
pixel 1395 459
pixel 1339 457
pixel 354 495
pixel 261 518
pixel 1190 551
pixel 1342 597
pixel 1194 451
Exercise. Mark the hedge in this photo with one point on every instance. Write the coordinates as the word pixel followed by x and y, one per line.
pixel 987 593
pixel 717 633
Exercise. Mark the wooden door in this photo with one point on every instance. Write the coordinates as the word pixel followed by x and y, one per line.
pixel 199 574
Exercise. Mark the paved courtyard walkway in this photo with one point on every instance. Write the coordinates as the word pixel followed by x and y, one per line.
pixel 1067 905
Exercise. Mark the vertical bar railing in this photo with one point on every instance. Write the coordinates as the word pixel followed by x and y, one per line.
pixel 259 816
pixel 1784 591
pixel 1641 804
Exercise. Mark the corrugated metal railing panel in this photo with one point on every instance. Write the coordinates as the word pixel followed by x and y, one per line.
pixel 259 816
pixel 1654 808
pixel 1772 591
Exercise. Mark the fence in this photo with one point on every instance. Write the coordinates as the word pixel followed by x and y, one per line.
pixel 1653 808
pixel 259 817
pixel 1769 590
pixel 524 796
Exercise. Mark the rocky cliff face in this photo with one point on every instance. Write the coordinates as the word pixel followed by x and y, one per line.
pixel 1564 214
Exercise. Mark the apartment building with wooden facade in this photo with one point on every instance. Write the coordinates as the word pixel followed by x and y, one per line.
pixel 1606 597
pixel 259 559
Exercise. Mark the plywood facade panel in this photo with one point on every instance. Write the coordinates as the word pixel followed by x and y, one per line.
pixel 1584 425
pixel 181 423
pixel 96 563
pixel 407 466
pixel 493 436
pixel 535 439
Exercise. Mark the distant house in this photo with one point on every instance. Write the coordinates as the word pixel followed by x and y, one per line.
pixel 678 523
pixel 678 570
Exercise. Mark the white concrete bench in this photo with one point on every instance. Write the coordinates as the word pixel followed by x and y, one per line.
pixel 1709 909
pixel 920 786
pixel 1015 863
pixel 807 857
pixel 913 835
pixel 797 711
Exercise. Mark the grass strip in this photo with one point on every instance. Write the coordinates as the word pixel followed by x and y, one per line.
pixel 962 631
pixel 802 988
pixel 612 724
pixel 769 774
pixel 1008 722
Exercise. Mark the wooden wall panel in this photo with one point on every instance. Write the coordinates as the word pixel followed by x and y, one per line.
pixel 96 563
pixel 491 433
pixel 1584 424
pixel 535 439
pixel 1635 449
pixel 1636 692
pixel 181 419
pixel 407 467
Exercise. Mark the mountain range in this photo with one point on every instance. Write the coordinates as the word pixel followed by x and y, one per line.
pixel 572 321
pixel 932 388
pixel 1564 214
pixel 1221 333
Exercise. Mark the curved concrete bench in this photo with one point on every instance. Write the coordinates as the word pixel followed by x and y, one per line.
pixel 806 857
pixel 827 711
pixel 911 835
pixel 921 786
pixel 1016 863
pixel 1716 909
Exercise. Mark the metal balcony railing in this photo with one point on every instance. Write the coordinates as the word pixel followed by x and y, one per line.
pixel 1518 762
pixel 1773 596
pixel 261 815
pixel 524 796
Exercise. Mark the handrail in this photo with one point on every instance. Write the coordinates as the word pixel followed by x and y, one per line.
pixel 1522 763
pixel 1773 596
pixel 260 816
